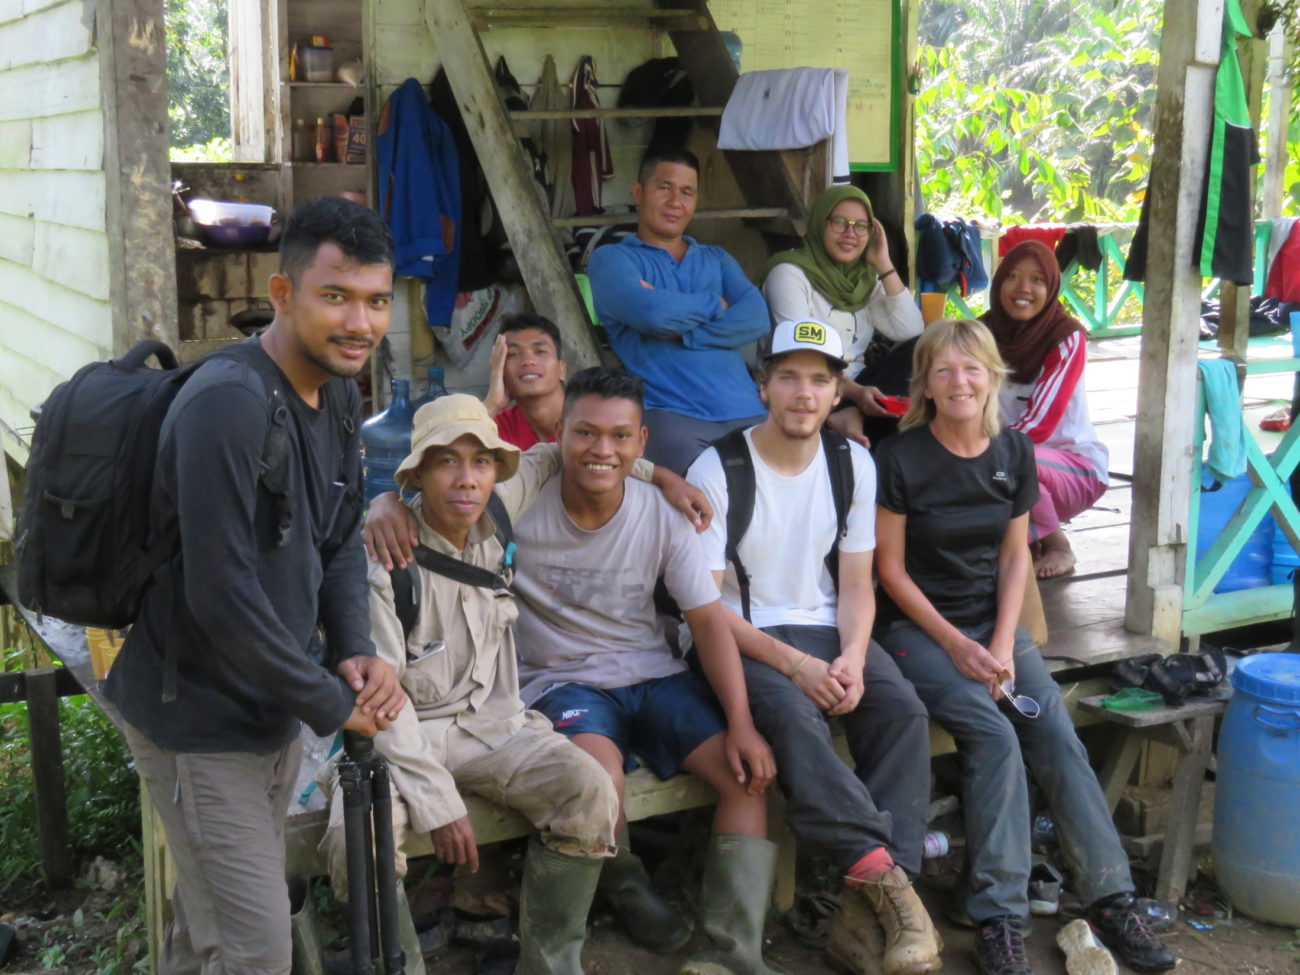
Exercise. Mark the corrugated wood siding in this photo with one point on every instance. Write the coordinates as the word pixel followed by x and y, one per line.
pixel 54 271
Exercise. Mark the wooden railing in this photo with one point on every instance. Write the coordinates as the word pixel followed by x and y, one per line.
pixel 1103 314
pixel 1204 610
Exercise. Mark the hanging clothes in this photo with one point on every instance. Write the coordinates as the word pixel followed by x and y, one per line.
pixel 554 139
pixel 592 162
pixel 1284 274
pixel 1227 225
pixel 483 242
pixel 1082 244
pixel 789 108
pixel 1047 233
pixel 418 172
pixel 948 253
pixel 1225 230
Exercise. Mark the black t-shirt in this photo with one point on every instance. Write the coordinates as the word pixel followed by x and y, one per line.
pixel 957 509
pixel 245 607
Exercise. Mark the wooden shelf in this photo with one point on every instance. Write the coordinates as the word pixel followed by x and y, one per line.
pixel 486 17
pixel 744 213
pixel 313 164
pixel 687 111
pixel 319 84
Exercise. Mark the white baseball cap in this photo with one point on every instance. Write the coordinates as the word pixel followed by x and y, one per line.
pixel 808 334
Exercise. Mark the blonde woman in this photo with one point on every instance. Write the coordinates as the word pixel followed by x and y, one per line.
pixel 955 489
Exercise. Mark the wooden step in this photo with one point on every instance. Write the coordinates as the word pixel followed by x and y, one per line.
pixel 485 18
pixel 685 111
pixel 742 213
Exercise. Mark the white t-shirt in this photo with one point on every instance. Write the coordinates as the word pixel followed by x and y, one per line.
pixel 586 598
pixel 784 549
pixel 791 296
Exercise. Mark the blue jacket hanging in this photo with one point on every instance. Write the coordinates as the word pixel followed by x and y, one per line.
pixel 419 195
pixel 948 253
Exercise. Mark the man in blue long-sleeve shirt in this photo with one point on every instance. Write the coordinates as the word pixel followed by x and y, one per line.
pixel 216 678
pixel 677 313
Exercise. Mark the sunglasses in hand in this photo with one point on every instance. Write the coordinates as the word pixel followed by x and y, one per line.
pixel 1026 705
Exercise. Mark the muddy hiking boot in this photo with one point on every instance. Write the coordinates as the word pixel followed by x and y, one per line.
pixel 554 899
pixel 886 909
pixel 1000 946
pixel 1123 928
pixel 734 897
pixel 644 916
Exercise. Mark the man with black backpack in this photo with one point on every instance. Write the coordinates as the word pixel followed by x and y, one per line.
pixel 790 546
pixel 258 482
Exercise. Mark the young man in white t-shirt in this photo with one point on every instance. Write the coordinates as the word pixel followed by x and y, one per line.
pixel 808 653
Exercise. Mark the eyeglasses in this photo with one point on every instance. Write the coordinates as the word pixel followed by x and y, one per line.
pixel 1027 706
pixel 840 225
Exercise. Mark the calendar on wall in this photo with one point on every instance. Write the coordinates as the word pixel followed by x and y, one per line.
pixel 859 35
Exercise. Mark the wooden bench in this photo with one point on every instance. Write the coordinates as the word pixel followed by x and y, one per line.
pixel 1189 729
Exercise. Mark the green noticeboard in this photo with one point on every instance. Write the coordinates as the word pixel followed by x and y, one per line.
pixel 862 36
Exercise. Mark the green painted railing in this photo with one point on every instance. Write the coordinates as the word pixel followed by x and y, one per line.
pixel 1101 315
pixel 1204 610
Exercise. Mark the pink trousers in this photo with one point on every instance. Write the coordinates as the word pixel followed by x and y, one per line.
pixel 1067 485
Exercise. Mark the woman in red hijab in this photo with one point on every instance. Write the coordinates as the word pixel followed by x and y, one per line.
pixel 1045 351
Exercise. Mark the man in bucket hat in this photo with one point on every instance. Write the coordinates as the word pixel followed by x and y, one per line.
pixel 467 730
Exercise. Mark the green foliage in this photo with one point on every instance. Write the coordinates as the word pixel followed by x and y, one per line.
pixel 214 150
pixel 1038 110
pixel 102 790
pixel 198 73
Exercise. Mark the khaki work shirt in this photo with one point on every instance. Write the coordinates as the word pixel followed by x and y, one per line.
pixel 458 665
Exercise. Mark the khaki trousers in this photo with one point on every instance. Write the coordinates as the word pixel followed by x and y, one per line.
pixel 557 787
pixel 223 814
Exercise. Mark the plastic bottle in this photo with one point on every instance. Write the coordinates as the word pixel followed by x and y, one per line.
pixel 323 138
pixel 936 845
pixel 434 387
pixel 386 440
pixel 303 150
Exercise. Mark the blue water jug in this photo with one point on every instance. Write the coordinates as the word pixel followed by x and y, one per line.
pixel 434 387
pixel 386 440
pixel 1256 831
pixel 1253 566
pixel 1285 559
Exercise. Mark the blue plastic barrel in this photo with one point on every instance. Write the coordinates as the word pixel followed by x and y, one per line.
pixel 1256 826
pixel 386 440
pixel 1253 566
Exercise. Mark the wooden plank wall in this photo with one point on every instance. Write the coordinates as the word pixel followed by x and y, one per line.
pixel 55 312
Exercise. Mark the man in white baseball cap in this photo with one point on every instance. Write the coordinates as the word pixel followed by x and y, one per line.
pixel 796 587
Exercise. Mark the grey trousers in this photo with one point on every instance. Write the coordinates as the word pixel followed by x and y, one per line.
pixel 846 813
pixel 224 815
pixel 995 744
pixel 676 439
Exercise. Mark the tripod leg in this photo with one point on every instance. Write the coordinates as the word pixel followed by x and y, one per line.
pixel 356 817
pixel 390 938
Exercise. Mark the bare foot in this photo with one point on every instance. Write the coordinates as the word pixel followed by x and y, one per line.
pixel 1055 557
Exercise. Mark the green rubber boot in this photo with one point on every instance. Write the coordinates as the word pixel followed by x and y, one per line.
pixel 553 904
pixel 734 897
pixel 645 917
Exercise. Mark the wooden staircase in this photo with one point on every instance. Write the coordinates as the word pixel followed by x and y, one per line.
pixel 777 186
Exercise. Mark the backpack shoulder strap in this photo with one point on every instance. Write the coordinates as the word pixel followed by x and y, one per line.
pixel 406 598
pixel 505 530
pixel 839 464
pixel 452 568
pixel 738 468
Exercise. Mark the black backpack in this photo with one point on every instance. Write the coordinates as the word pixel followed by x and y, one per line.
pixel 84 548
pixel 406 584
pixel 738 466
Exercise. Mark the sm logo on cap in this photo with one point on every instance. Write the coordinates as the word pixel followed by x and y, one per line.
pixel 814 333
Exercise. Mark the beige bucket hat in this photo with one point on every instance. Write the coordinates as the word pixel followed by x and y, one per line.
pixel 446 420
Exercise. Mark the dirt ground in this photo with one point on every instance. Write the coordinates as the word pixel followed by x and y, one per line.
pixel 1231 945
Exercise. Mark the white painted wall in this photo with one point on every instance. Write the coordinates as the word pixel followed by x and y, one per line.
pixel 54 270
